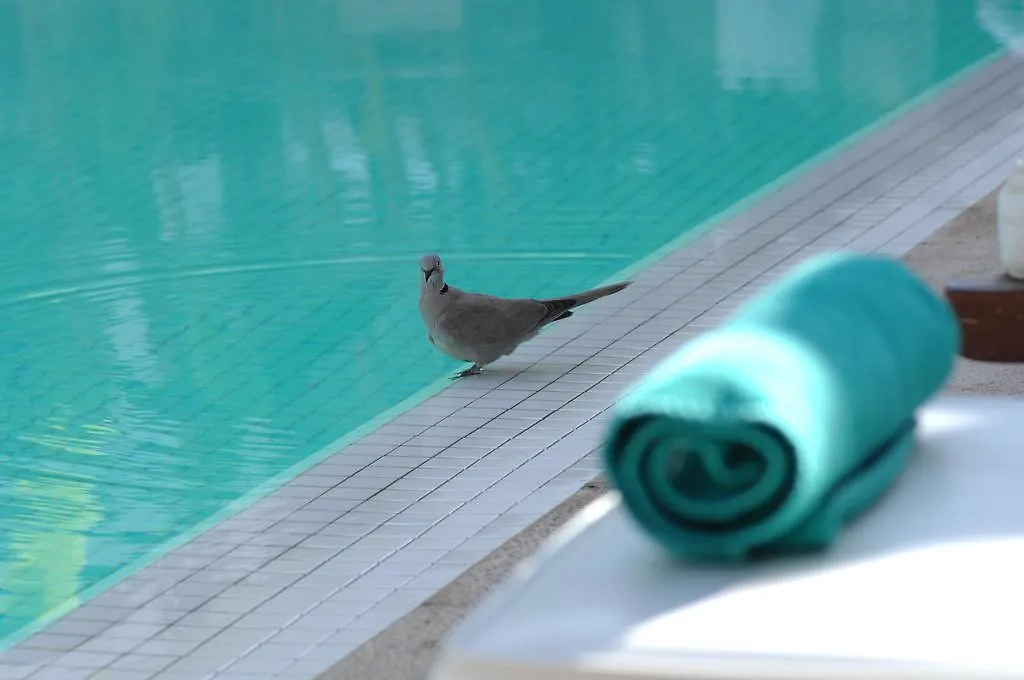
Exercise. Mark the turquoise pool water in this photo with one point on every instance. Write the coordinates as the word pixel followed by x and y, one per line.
pixel 211 212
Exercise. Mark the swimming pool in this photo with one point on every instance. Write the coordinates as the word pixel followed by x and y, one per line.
pixel 212 213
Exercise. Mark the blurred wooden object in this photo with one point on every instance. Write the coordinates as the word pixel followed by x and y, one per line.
pixel 991 313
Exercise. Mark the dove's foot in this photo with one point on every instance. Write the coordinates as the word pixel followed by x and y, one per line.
pixel 472 370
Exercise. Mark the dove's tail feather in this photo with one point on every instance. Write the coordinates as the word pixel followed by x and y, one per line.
pixel 564 315
pixel 591 295
pixel 558 308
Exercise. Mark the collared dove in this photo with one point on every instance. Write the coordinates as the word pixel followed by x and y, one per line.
pixel 483 328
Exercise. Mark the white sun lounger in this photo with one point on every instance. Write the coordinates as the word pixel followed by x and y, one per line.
pixel 929 584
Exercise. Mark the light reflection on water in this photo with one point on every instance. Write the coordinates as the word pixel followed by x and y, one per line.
pixel 211 213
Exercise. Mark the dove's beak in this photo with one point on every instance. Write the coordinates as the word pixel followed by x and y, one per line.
pixel 428 272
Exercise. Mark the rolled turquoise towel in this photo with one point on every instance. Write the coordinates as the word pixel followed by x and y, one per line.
pixel 774 430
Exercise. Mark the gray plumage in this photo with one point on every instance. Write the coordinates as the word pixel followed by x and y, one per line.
pixel 483 328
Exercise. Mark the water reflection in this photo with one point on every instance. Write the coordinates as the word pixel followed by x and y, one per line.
pixel 48 548
pixel 1004 20
pixel 189 199
pixel 210 213
pixel 767 43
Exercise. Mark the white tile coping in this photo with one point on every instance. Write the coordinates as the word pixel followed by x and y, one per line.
pixel 291 584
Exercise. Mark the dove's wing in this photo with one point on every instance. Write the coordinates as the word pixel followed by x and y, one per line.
pixel 490 324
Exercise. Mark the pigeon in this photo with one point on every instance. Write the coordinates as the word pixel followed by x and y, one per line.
pixel 483 328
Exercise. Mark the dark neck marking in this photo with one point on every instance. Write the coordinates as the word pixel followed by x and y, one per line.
pixel 444 289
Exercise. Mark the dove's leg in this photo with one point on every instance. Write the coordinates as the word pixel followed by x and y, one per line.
pixel 472 370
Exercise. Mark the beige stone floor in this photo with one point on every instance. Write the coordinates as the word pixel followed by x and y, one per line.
pixel 406 650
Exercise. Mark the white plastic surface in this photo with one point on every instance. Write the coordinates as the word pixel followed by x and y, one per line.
pixel 1010 222
pixel 929 584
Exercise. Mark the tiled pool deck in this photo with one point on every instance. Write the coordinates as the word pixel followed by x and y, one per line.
pixel 293 583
